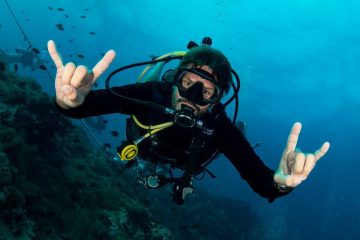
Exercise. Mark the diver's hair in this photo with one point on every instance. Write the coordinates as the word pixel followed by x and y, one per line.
pixel 216 60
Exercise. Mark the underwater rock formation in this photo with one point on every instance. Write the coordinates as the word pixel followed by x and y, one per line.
pixel 55 185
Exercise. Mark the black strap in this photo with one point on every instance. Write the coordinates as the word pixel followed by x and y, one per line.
pixel 193 153
pixel 183 186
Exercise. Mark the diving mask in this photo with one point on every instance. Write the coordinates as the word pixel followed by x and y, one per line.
pixel 196 91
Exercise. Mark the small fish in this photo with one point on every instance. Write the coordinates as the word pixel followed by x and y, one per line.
pixel 50 8
pixel 73 27
pixel 2 66
pixel 60 9
pixel 86 9
pixel 35 50
pixel 92 33
pixel 105 121
pixel 80 56
pixel 16 67
pixel 107 145
pixel 0 25
pixel 60 26
pixel 22 12
pixel 67 16
pixel 70 55
pixel 27 20
pixel 114 133
pixel 83 16
pixel 42 67
pixel 71 40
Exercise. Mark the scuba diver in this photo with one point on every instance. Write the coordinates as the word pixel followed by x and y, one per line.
pixel 180 121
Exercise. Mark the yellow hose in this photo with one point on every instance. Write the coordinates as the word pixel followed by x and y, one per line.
pixel 159 126
pixel 171 54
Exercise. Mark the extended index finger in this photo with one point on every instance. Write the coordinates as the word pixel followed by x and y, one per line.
pixel 103 64
pixel 293 137
pixel 54 54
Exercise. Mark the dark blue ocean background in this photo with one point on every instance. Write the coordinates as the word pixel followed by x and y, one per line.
pixel 298 61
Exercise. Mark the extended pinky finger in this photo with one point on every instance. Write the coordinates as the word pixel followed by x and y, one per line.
pixel 322 151
pixel 103 64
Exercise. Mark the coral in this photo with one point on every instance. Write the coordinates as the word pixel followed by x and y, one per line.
pixel 5 174
pixel 14 199
pixel 139 215
pixel 6 117
pixel 160 233
pixel 10 139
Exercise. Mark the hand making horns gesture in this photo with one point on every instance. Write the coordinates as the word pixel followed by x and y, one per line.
pixel 295 166
pixel 73 83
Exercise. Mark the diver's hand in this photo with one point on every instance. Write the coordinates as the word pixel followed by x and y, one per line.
pixel 73 83
pixel 295 166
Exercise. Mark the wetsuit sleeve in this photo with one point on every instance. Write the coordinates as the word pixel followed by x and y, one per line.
pixel 233 144
pixel 99 102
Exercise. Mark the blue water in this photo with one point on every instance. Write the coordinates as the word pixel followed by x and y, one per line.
pixel 298 61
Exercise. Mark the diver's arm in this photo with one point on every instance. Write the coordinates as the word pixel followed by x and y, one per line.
pixel 99 102
pixel 243 157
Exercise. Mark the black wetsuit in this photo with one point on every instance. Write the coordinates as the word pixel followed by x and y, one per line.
pixel 228 139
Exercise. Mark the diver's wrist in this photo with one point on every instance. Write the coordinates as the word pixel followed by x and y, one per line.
pixel 282 188
pixel 61 104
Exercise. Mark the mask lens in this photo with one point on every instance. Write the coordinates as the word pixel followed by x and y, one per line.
pixel 200 92
pixel 208 89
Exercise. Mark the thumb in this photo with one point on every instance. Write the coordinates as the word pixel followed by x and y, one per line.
pixel 69 92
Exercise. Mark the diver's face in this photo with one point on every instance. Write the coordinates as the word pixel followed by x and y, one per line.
pixel 190 79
